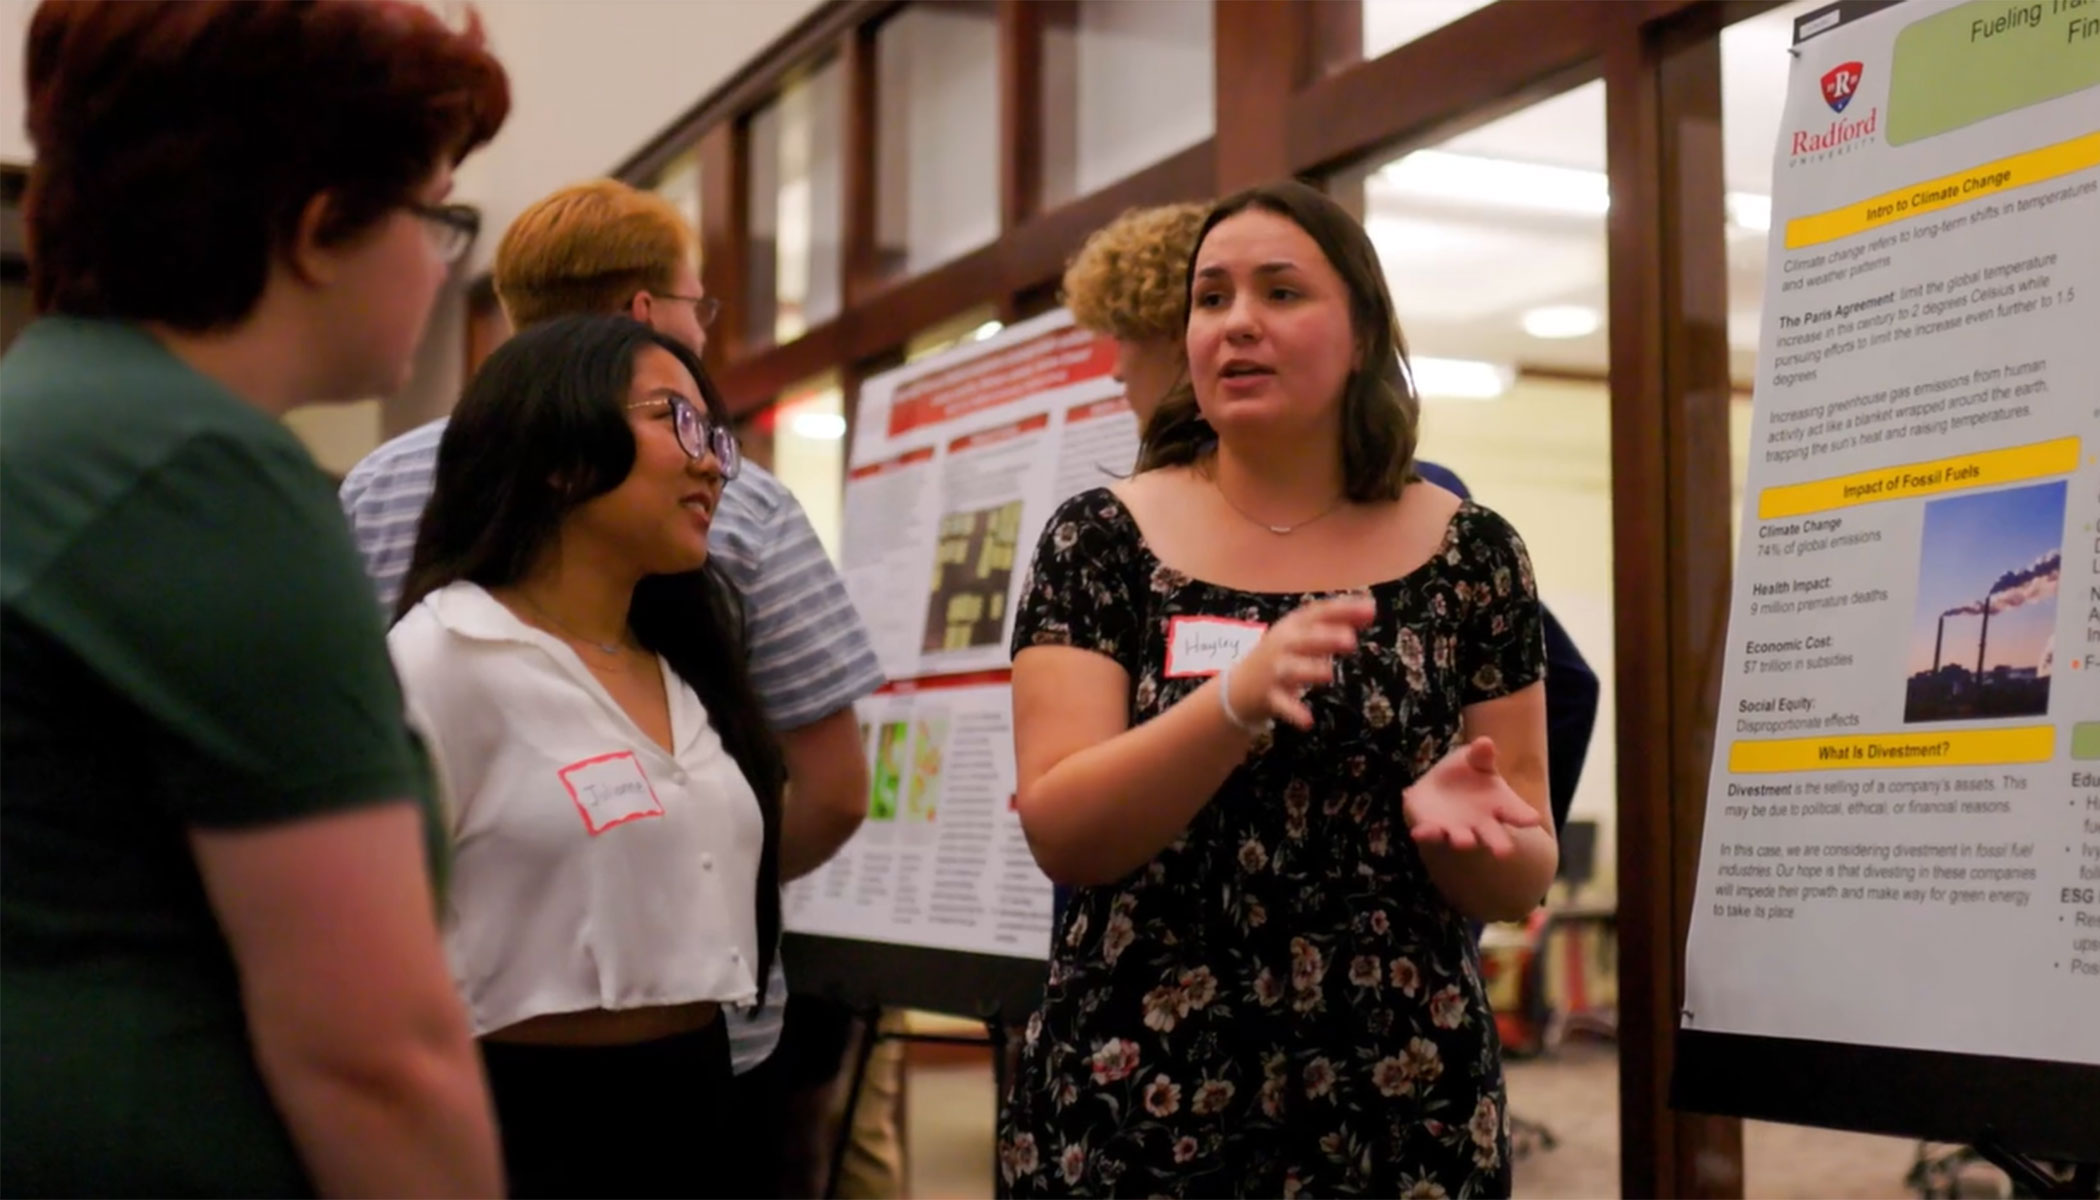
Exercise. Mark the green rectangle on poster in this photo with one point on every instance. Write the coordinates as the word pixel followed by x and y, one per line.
pixel 1988 58
pixel 2085 740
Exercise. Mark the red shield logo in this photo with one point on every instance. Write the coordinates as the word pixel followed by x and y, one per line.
pixel 1838 85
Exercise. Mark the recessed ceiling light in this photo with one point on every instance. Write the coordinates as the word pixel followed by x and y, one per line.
pixel 1459 378
pixel 988 329
pixel 1555 321
pixel 818 426
pixel 1749 211
pixel 1472 179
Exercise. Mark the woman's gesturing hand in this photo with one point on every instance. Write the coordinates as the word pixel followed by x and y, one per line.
pixel 1295 655
pixel 1464 802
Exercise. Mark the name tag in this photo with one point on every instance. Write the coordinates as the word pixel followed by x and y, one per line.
pixel 610 790
pixel 1208 645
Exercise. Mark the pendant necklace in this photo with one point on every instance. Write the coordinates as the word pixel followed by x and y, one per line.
pixel 613 648
pixel 1278 530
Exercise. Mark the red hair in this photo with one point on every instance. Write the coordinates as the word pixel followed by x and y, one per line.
pixel 179 141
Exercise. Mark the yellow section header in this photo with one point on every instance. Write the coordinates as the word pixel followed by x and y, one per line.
pixel 1987 469
pixel 2020 170
pixel 1950 748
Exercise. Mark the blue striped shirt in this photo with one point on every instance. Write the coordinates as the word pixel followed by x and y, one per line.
pixel 810 655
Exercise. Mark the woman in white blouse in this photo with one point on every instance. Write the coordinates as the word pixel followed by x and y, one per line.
pixel 613 792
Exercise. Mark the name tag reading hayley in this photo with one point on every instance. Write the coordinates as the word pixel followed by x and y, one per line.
pixel 1208 645
pixel 610 790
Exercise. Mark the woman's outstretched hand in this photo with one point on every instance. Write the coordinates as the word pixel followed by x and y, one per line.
pixel 1464 802
pixel 1296 655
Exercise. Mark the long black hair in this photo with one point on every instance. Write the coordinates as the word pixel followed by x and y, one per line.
pixel 1381 414
pixel 542 429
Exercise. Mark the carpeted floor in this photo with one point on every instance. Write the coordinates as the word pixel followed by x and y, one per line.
pixel 1573 1093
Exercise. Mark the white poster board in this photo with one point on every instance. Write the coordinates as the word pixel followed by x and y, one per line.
pixel 956 463
pixel 1902 838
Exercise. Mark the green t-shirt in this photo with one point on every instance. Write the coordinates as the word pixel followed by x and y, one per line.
pixel 189 643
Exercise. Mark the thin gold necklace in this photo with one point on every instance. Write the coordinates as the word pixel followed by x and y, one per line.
pixel 602 647
pixel 1278 530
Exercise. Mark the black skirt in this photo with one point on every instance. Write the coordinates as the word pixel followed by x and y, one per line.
pixel 646 1119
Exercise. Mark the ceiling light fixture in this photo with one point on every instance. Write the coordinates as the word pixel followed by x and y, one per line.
pixel 1442 175
pixel 1459 378
pixel 988 329
pixel 1750 212
pixel 818 426
pixel 1507 183
pixel 1556 321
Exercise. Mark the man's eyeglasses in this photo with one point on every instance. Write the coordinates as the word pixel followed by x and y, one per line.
pixel 700 435
pixel 452 227
pixel 706 308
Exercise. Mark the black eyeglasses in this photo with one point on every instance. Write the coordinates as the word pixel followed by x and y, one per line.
pixel 707 308
pixel 452 227
pixel 700 435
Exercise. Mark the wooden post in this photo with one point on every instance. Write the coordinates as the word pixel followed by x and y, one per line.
pixel 860 259
pixel 1020 111
pixel 1262 57
pixel 1672 558
pixel 725 251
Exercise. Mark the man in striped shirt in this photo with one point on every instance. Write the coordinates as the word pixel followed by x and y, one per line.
pixel 604 246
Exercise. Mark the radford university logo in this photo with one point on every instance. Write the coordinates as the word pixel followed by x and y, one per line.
pixel 1838 85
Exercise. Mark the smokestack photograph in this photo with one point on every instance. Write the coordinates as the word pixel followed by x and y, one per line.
pixel 1988 569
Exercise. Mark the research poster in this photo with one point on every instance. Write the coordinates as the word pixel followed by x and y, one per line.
pixel 1902 838
pixel 956 463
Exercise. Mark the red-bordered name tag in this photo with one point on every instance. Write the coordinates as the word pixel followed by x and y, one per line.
pixel 610 790
pixel 1207 645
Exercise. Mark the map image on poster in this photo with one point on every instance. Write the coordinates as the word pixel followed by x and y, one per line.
pixel 925 792
pixel 888 776
pixel 972 570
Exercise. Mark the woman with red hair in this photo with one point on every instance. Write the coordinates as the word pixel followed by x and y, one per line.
pixel 221 967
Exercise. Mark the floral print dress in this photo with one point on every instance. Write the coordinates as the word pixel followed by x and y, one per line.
pixel 1280 1002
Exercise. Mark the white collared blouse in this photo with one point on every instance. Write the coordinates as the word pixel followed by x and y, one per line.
pixel 591 868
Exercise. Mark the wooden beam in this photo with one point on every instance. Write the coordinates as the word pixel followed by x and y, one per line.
pixel 758 379
pixel 1261 58
pixel 821 31
pixel 1037 252
pixel 1671 548
pixel 1020 111
pixel 1337 36
pixel 906 307
pixel 1483 65
pixel 1012 273
pixel 851 377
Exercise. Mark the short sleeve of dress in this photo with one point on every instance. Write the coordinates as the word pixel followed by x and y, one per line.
pixel 1503 647
pixel 1080 590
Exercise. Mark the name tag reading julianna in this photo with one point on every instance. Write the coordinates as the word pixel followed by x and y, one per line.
pixel 610 790
pixel 1207 645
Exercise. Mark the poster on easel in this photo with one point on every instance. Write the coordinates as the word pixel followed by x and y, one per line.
pixel 957 461
pixel 1897 914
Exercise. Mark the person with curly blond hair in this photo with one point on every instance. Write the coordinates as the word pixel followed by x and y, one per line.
pixel 1130 282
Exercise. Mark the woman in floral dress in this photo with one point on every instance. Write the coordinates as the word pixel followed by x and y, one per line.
pixel 1278 715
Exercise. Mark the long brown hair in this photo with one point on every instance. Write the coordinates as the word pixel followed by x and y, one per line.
pixel 539 431
pixel 1381 414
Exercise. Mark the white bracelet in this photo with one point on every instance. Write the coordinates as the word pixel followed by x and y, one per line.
pixel 1225 705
